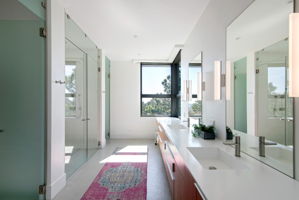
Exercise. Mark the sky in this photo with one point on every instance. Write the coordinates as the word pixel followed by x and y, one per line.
pixel 277 76
pixel 152 78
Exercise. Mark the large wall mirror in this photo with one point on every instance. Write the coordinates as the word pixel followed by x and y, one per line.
pixel 259 108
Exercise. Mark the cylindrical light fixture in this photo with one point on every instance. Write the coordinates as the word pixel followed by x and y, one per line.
pixel 228 80
pixel 294 55
pixel 199 86
pixel 187 93
pixel 217 80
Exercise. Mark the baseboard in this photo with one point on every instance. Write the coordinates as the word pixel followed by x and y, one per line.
pixel 55 187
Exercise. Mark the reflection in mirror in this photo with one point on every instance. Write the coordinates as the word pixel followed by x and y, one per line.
pixel 274 106
pixel 258 105
pixel 195 76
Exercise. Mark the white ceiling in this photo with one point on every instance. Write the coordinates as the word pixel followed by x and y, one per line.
pixel 136 29
pixel 262 24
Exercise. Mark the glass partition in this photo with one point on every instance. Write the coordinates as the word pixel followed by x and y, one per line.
pixel 76 131
pixel 23 100
pixel 259 108
pixel 82 84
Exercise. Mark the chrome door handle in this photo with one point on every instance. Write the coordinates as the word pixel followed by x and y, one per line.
pixel 60 82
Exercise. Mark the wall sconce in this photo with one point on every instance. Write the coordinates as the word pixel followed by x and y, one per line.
pixel 228 71
pixel 187 85
pixel 217 80
pixel 294 55
pixel 199 86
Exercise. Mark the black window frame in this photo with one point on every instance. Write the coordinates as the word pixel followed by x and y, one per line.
pixel 175 87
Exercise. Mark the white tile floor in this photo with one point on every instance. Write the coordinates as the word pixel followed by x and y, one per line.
pixel 76 159
pixel 157 185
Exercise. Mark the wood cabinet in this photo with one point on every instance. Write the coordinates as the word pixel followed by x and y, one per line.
pixel 180 180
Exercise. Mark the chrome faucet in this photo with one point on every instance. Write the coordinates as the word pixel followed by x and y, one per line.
pixel 237 145
pixel 262 144
pixel 188 122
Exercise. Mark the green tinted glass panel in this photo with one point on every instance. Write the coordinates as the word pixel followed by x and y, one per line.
pixel 240 95
pixel 107 100
pixel 22 109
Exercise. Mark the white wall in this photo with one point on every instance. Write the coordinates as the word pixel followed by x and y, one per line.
pixel 209 36
pixel 102 97
pixel 56 178
pixel 125 103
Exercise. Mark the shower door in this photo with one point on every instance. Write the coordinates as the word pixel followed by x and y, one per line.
pixel 76 122
pixel 22 100
pixel 240 95
pixel 274 106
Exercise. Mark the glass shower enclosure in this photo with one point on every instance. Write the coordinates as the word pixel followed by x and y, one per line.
pixel 274 106
pixel 81 82
pixel 23 99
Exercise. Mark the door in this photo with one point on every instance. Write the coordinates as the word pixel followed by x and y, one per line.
pixel 240 95
pixel 75 108
pixel 22 101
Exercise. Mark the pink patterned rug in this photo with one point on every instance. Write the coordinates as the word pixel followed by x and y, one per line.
pixel 123 177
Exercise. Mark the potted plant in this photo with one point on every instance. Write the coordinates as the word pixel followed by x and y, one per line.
pixel 203 131
pixel 229 133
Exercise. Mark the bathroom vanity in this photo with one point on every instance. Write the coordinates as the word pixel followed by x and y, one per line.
pixel 202 169
pixel 181 183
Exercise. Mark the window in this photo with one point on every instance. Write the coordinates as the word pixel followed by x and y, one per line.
pixel 70 90
pixel 195 106
pixel 159 90
pixel 276 91
pixel 156 90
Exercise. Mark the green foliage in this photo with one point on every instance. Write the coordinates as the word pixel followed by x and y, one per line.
pixel 204 128
pixel 159 106
pixel 167 85
pixel 195 108
pixel 70 84
pixel 70 87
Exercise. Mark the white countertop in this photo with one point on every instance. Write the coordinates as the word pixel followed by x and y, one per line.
pixel 257 182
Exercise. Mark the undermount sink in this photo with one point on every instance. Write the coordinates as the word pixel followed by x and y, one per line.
pixel 213 158
pixel 176 126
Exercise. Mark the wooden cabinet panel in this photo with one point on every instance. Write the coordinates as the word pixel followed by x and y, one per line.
pixel 180 179
pixel 184 184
